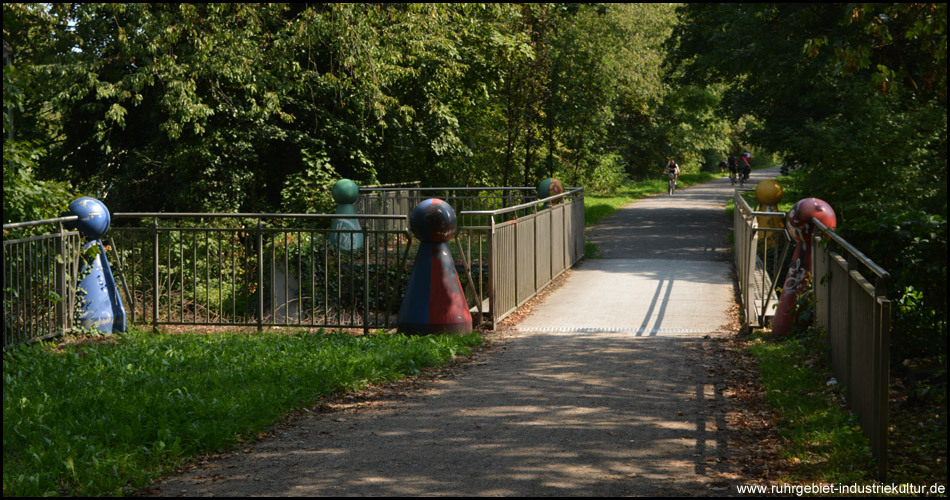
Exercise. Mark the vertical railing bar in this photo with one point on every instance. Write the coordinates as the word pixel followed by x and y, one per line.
pixel 21 284
pixel 242 240
pixel 365 280
pixel 194 277
pixel 61 280
pixel 28 289
pixel 260 274
pixel 181 279
pixel 352 258
pixel 379 279
pixel 286 303
pixel 339 286
pixel 157 278
pixel 207 264
pixel 220 251
pixel 299 277
pixel 492 262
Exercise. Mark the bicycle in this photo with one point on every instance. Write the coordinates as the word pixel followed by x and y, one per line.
pixel 672 183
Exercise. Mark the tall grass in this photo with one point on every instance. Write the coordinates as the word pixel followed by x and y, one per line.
pixel 107 418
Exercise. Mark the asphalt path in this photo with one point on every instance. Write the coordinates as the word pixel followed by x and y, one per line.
pixel 604 389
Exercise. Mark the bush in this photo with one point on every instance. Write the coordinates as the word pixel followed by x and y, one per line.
pixel 912 247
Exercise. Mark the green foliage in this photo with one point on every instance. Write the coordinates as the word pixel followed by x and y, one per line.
pixel 856 95
pixel 913 246
pixel 25 197
pixel 309 191
pixel 222 107
pixel 108 417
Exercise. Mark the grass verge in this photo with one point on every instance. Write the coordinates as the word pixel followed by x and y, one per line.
pixel 106 418
pixel 823 441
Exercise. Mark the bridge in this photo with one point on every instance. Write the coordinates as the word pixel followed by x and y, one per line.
pixel 607 387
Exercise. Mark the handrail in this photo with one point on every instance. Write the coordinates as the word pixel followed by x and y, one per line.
pixel 876 269
pixel 530 204
pixel 15 225
pixel 176 215
pixel 513 188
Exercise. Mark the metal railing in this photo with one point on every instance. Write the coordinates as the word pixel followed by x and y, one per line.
pixel 263 270
pixel 761 251
pixel 259 269
pixel 530 246
pixel 851 304
pixel 401 200
pixel 39 274
pixel 512 243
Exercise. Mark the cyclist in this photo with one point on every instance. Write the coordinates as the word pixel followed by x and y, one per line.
pixel 745 166
pixel 673 168
pixel 733 168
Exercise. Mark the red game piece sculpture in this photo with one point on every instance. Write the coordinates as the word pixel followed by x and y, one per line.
pixel 799 225
pixel 434 301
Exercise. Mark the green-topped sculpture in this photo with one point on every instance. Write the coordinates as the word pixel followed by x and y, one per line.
pixel 550 187
pixel 346 234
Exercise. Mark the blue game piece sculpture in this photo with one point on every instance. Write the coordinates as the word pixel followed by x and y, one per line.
pixel 100 306
pixel 345 192
pixel 434 301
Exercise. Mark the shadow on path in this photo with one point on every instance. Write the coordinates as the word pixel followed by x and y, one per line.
pixel 552 414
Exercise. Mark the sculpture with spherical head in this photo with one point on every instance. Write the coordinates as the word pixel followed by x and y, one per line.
pixel 100 306
pixel 548 188
pixel 93 216
pixel 799 223
pixel 434 301
pixel 769 194
pixel 346 234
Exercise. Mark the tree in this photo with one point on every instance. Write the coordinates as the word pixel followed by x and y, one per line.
pixel 856 93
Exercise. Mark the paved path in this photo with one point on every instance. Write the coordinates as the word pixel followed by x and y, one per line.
pixel 605 389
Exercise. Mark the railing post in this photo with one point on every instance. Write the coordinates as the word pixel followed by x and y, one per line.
pixel 849 329
pixel 883 338
pixel 365 280
pixel 534 268
pixel 61 290
pixel 155 274
pixel 492 309
pixel 260 274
